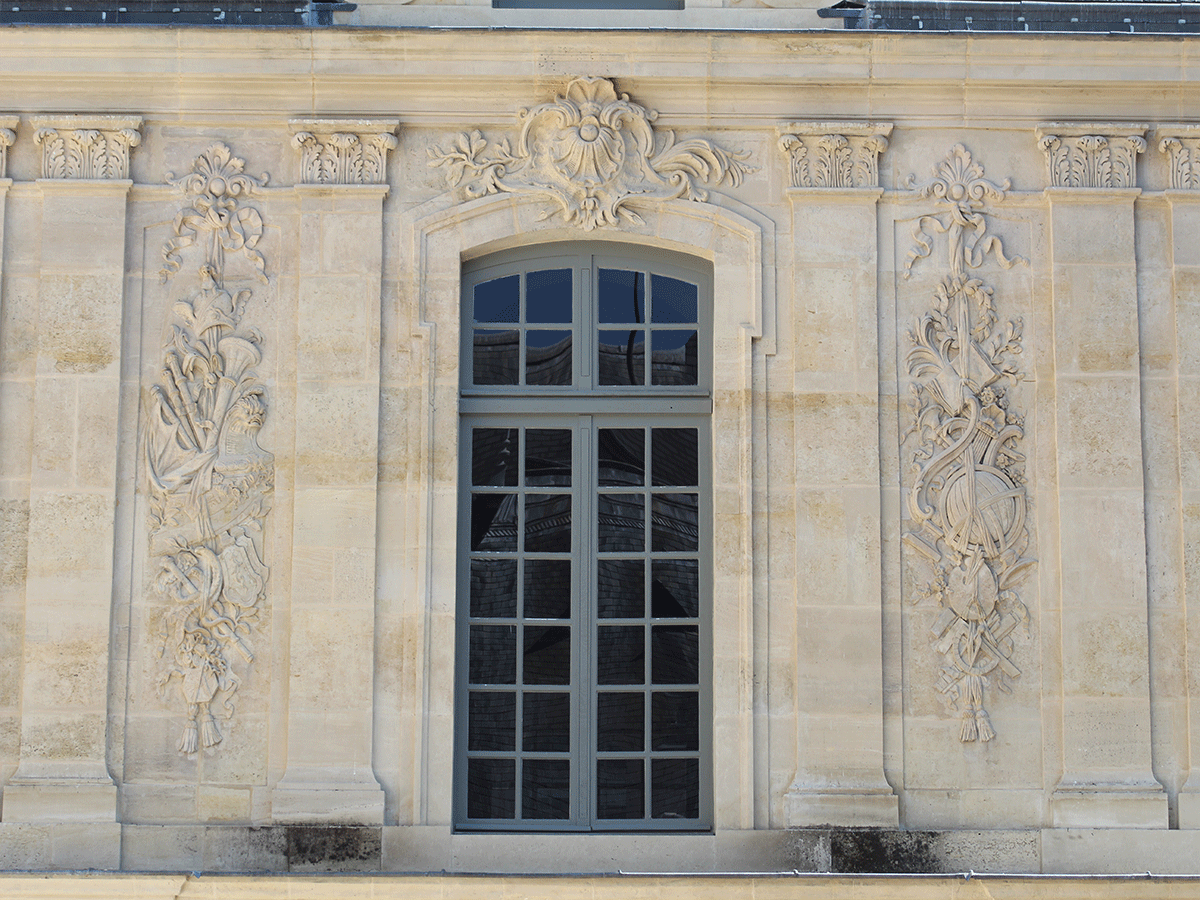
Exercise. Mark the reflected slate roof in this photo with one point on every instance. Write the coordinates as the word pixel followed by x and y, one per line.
pixel 1149 17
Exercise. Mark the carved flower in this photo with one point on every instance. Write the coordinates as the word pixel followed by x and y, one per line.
pixel 589 149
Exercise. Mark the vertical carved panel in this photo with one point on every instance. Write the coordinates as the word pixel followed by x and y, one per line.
pixel 90 147
pixel 210 483
pixel 834 154
pixel 1092 156
pixel 8 134
pixel 967 503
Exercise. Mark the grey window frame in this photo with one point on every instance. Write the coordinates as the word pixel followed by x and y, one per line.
pixel 584 408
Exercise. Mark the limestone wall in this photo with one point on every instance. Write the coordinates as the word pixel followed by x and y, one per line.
pixel 954 519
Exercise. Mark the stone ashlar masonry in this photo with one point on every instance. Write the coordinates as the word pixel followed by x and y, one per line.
pixel 956 492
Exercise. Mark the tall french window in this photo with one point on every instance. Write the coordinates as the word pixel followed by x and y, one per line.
pixel 583 696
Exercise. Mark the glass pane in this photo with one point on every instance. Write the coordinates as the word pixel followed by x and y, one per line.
pixel 620 722
pixel 491 788
pixel 621 523
pixel 621 654
pixel 545 789
pixel 546 723
pixel 494 588
pixel 674 589
pixel 547 655
pixel 672 300
pixel 548 357
pixel 548 296
pixel 673 357
pixel 547 589
pixel 622 357
pixel 495 356
pixel 621 589
pixel 492 718
pixel 674 457
pixel 622 296
pixel 548 523
pixel 494 456
pixel 675 653
pixel 493 522
pixel 675 788
pixel 498 300
pixel 620 789
pixel 493 654
pixel 674 522
pixel 675 721
pixel 622 456
pixel 548 457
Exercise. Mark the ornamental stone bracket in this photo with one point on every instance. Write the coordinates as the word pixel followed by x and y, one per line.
pixel 8 134
pixel 343 151
pixel 86 147
pixel 592 152
pixel 1092 155
pixel 834 154
pixel 1181 144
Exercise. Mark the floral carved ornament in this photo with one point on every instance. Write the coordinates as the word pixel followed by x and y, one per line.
pixel 967 504
pixel 210 483
pixel 593 152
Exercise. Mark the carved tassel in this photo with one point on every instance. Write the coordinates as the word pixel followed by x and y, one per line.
pixel 209 731
pixel 985 725
pixel 188 742
pixel 969 729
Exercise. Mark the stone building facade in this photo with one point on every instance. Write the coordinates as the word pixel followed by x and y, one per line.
pixel 507 441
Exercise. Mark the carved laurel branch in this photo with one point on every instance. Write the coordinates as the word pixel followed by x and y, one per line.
pixel 215 186
pixel 833 154
pixel 343 151
pixel 959 186
pixel 93 147
pixel 591 151
pixel 1092 156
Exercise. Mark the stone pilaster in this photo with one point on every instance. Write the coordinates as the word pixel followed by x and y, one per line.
pixel 1107 780
pixel 329 776
pixel 834 190
pixel 63 775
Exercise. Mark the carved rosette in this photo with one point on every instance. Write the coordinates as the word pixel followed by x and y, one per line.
pixel 343 151
pixel 1181 144
pixel 967 503
pixel 209 482
pixel 834 154
pixel 86 147
pixel 592 151
pixel 8 134
pixel 1093 155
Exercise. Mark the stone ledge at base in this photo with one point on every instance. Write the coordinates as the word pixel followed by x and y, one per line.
pixel 369 849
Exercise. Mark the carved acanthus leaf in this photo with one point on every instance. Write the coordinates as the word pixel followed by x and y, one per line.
pixel 960 190
pixel 834 154
pixel 215 187
pixel 343 151
pixel 1181 143
pixel 592 151
pixel 967 504
pixel 88 147
pixel 1092 156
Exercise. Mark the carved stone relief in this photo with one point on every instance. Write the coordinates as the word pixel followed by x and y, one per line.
pixel 8 134
pixel 343 151
pixel 834 154
pixel 967 504
pixel 1181 143
pixel 210 483
pixel 592 151
pixel 1092 156
pixel 92 147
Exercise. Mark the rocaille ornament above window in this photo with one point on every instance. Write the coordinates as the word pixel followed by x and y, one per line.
pixel 593 151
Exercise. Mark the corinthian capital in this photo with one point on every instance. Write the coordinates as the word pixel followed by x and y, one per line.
pixel 343 151
pixel 86 147
pixel 834 154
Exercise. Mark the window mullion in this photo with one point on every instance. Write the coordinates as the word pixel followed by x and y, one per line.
pixel 584 487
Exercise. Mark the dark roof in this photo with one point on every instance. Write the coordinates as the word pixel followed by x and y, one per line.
pixel 1148 17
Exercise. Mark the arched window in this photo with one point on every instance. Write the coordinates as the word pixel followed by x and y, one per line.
pixel 583 696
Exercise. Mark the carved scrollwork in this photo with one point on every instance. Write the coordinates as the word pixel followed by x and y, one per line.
pixel 1181 143
pixel 343 151
pixel 210 483
pixel 592 151
pixel 967 504
pixel 92 147
pixel 833 154
pixel 1092 156
pixel 215 187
